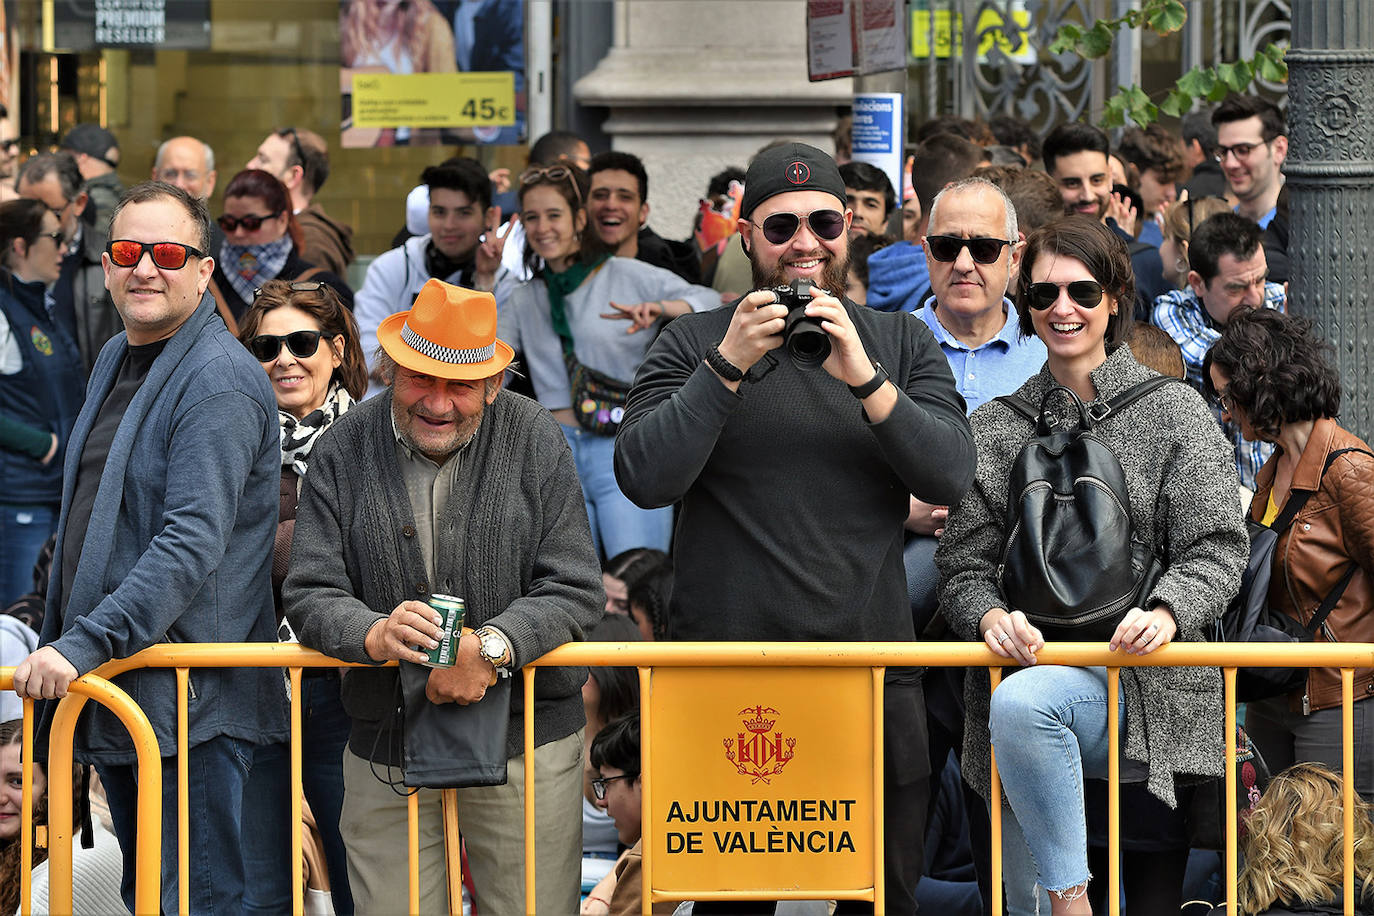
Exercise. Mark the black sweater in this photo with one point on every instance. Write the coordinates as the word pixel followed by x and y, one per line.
pixel 792 502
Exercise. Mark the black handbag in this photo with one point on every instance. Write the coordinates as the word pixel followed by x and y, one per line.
pixel 1206 815
pixel 450 746
pixel 1248 617
pixel 598 401
pixel 1072 561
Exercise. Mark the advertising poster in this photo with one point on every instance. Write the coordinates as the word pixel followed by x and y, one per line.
pixel 877 139
pixel 84 25
pixel 854 37
pixel 428 72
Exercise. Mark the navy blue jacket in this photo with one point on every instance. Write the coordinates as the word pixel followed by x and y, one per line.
pixel 179 545
pixel 46 393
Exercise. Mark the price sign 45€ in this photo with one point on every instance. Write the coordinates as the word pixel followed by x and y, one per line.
pixel 433 99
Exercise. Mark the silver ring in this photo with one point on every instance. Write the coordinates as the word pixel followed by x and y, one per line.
pixel 1003 638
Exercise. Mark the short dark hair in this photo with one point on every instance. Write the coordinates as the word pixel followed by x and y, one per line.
pixel 864 176
pixel 1070 138
pixel 1154 147
pixel 1100 250
pixel 1280 372
pixel 555 145
pixel 460 173
pixel 148 191
pixel 617 745
pixel 1239 107
pixel 861 249
pixel 61 163
pixel 940 160
pixel 310 151
pixel 625 162
pixel 1197 125
pixel 971 130
pixel 20 219
pixel 1226 233
pixel 1013 131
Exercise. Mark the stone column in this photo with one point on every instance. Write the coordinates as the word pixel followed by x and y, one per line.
pixel 694 86
pixel 1330 175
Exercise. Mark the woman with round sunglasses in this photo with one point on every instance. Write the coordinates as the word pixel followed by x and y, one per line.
pixel 1048 723
pixel 307 341
pixel 1273 378
pixel 606 311
pixel 42 388
pixel 261 242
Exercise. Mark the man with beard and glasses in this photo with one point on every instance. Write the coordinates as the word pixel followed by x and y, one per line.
pixel 793 479
pixel 447 484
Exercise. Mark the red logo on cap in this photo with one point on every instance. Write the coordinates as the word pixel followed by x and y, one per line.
pixel 797 172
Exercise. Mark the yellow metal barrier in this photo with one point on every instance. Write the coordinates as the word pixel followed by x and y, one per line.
pixel 645 657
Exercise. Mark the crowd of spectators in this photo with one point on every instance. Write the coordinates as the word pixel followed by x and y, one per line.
pixel 532 357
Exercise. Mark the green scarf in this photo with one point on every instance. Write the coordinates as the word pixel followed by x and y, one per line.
pixel 560 286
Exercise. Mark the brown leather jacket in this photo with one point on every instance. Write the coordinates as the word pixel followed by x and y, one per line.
pixel 1334 529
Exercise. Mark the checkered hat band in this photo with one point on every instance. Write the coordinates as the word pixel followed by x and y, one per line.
pixel 446 354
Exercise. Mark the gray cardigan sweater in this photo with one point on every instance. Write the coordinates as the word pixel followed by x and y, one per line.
pixel 1182 484
pixel 516 547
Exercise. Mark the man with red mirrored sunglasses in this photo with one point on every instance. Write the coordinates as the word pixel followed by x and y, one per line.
pixel 169 509
pixel 793 474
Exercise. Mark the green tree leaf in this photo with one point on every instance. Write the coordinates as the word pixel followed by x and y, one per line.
pixel 1177 103
pixel 1097 41
pixel 1197 81
pixel 1066 39
pixel 1167 17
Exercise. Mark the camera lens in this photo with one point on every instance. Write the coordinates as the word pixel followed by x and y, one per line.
pixel 806 342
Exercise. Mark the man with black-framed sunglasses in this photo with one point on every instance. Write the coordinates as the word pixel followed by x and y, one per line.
pixel 300 158
pixel 793 469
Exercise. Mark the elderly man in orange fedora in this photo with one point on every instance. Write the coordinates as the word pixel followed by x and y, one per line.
pixel 450 485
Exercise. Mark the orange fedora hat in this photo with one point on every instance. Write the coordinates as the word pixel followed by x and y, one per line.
pixel 450 332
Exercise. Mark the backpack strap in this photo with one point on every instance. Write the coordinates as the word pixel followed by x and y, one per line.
pixel 1285 519
pixel 1020 405
pixel 1100 412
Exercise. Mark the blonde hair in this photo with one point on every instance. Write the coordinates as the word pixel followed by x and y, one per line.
pixel 1294 842
pixel 361 31
pixel 1176 226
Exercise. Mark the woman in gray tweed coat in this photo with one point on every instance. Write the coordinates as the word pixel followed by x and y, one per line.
pixel 1049 724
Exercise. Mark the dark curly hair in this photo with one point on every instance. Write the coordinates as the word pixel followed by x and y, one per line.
pixel 1279 371
pixel 1100 250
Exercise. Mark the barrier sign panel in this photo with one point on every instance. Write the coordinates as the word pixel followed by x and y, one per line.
pixel 771 788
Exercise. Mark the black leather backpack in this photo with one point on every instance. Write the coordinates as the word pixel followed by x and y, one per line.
pixel 1072 562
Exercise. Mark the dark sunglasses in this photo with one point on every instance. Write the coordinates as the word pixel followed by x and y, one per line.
pixel 947 247
pixel 302 344
pixel 824 224
pixel 251 223
pixel 1086 293
pixel 167 255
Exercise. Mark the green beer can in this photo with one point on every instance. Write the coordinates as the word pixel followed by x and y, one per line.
pixel 452 610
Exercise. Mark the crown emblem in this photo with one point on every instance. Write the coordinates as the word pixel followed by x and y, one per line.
pixel 759 752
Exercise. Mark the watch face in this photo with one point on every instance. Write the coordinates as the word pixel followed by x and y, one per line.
pixel 492 648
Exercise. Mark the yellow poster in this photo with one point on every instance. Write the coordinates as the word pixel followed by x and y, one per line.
pixel 433 99
pixel 772 788
pixel 1011 38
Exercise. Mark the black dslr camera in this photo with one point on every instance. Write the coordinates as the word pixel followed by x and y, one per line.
pixel 803 337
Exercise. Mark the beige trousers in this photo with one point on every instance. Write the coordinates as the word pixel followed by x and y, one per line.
pixel 492 822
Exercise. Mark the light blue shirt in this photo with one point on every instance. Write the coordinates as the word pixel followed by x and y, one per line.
pixel 997 367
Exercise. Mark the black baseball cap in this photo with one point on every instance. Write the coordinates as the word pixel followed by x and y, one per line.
pixel 790 167
pixel 91 139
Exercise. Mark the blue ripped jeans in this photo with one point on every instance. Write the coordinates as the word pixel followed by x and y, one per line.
pixel 1049 729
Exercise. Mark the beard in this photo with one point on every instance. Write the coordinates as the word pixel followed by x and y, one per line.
pixel 832 278
pixel 436 447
